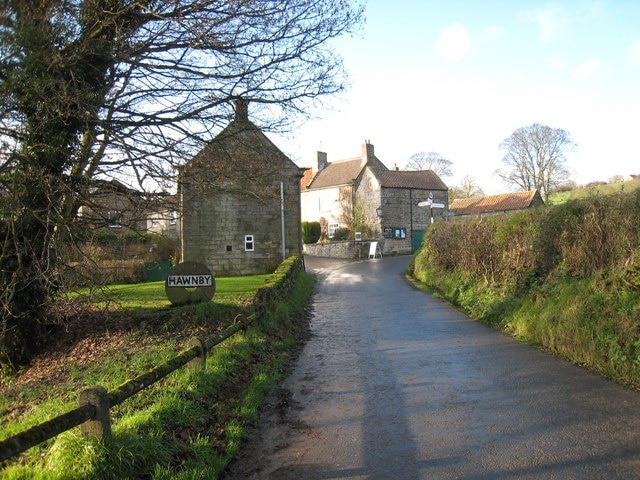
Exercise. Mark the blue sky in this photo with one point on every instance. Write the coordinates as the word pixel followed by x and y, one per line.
pixel 458 77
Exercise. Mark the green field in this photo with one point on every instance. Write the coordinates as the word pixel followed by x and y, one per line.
pixel 585 192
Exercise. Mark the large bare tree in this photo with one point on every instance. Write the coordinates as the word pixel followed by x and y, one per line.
pixel 430 161
pixel 468 188
pixel 535 158
pixel 113 88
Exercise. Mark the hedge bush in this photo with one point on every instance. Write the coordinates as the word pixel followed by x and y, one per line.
pixel 565 277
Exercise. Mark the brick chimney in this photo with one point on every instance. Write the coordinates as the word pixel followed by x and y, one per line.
pixel 322 160
pixel 367 152
pixel 242 109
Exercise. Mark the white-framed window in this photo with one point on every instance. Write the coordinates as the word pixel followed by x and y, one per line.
pixel 249 244
pixel 155 221
pixel 399 232
pixel 173 217
pixel 331 229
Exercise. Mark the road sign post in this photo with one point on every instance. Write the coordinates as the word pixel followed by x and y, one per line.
pixel 429 203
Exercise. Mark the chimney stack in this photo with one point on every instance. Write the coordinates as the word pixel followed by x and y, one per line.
pixel 242 109
pixel 322 160
pixel 367 152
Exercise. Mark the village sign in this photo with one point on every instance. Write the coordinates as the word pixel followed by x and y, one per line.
pixel 189 282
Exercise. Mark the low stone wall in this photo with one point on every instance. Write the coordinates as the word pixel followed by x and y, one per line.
pixel 342 249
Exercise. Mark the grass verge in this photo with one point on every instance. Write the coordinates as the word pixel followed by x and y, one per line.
pixel 584 321
pixel 188 425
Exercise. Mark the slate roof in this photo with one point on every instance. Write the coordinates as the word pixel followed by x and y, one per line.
pixel 422 180
pixel 495 203
pixel 338 173
pixel 241 152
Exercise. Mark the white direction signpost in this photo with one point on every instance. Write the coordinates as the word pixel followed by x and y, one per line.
pixel 430 203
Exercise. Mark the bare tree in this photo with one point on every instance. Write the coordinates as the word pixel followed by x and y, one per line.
pixel 430 161
pixel 468 188
pixel 132 89
pixel 535 157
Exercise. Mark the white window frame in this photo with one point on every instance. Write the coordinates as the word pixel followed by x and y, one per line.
pixel 249 243
pixel 331 229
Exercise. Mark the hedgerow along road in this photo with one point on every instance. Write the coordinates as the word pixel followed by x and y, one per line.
pixel 395 384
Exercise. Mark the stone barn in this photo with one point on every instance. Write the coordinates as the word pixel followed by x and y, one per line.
pixel 240 202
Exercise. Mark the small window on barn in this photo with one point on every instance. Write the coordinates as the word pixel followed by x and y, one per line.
pixel 400 233
pixel 114 217
pixel 332 227
pixel 248 243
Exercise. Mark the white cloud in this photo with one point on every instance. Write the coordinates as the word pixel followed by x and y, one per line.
pixel 453 43
pixel 551 20
pixel 587 69
pixel 491 33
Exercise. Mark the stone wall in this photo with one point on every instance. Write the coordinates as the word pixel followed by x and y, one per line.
pixel 345 249
pixel 367 198
pixel 401 212
pixel 216 225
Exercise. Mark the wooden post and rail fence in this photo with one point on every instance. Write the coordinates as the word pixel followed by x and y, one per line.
pixel 92 415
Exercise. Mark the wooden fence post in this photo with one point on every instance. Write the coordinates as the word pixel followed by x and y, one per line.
pixel 100 426
pixel 201 360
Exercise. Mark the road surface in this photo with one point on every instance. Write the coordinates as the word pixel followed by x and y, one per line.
pixel 395 384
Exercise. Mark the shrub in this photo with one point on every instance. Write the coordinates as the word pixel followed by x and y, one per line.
pixel 565 277
pixel 310 232
pixel 341 234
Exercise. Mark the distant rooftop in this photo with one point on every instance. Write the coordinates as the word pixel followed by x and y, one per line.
pixel 338 173
pixel 422 180
pixel 496 203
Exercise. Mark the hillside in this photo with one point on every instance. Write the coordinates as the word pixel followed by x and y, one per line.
pixel 595 189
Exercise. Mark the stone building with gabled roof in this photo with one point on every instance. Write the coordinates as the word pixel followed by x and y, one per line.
pixel 363 193
pixel 493 204
pixel 240 202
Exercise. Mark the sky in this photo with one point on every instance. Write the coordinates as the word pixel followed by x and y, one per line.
pixel 458 77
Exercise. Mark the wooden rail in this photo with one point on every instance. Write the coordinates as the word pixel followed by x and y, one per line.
pixel 93 415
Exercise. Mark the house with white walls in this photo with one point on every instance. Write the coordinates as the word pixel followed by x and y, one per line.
pixel 362 195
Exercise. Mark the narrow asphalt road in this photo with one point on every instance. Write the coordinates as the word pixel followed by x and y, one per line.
pixel 395 384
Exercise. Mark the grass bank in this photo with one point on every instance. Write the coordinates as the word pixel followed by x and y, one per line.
pixel 565 278
pixel 557 198
pixel 186 426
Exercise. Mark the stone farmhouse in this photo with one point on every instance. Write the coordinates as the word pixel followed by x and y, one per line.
pixel 163 216
pixel 239 200
pixel 464 208
pixel 121 209
pixel 362 193
pixel 113 205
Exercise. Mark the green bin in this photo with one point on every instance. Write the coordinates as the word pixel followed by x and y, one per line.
pixel 156 271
